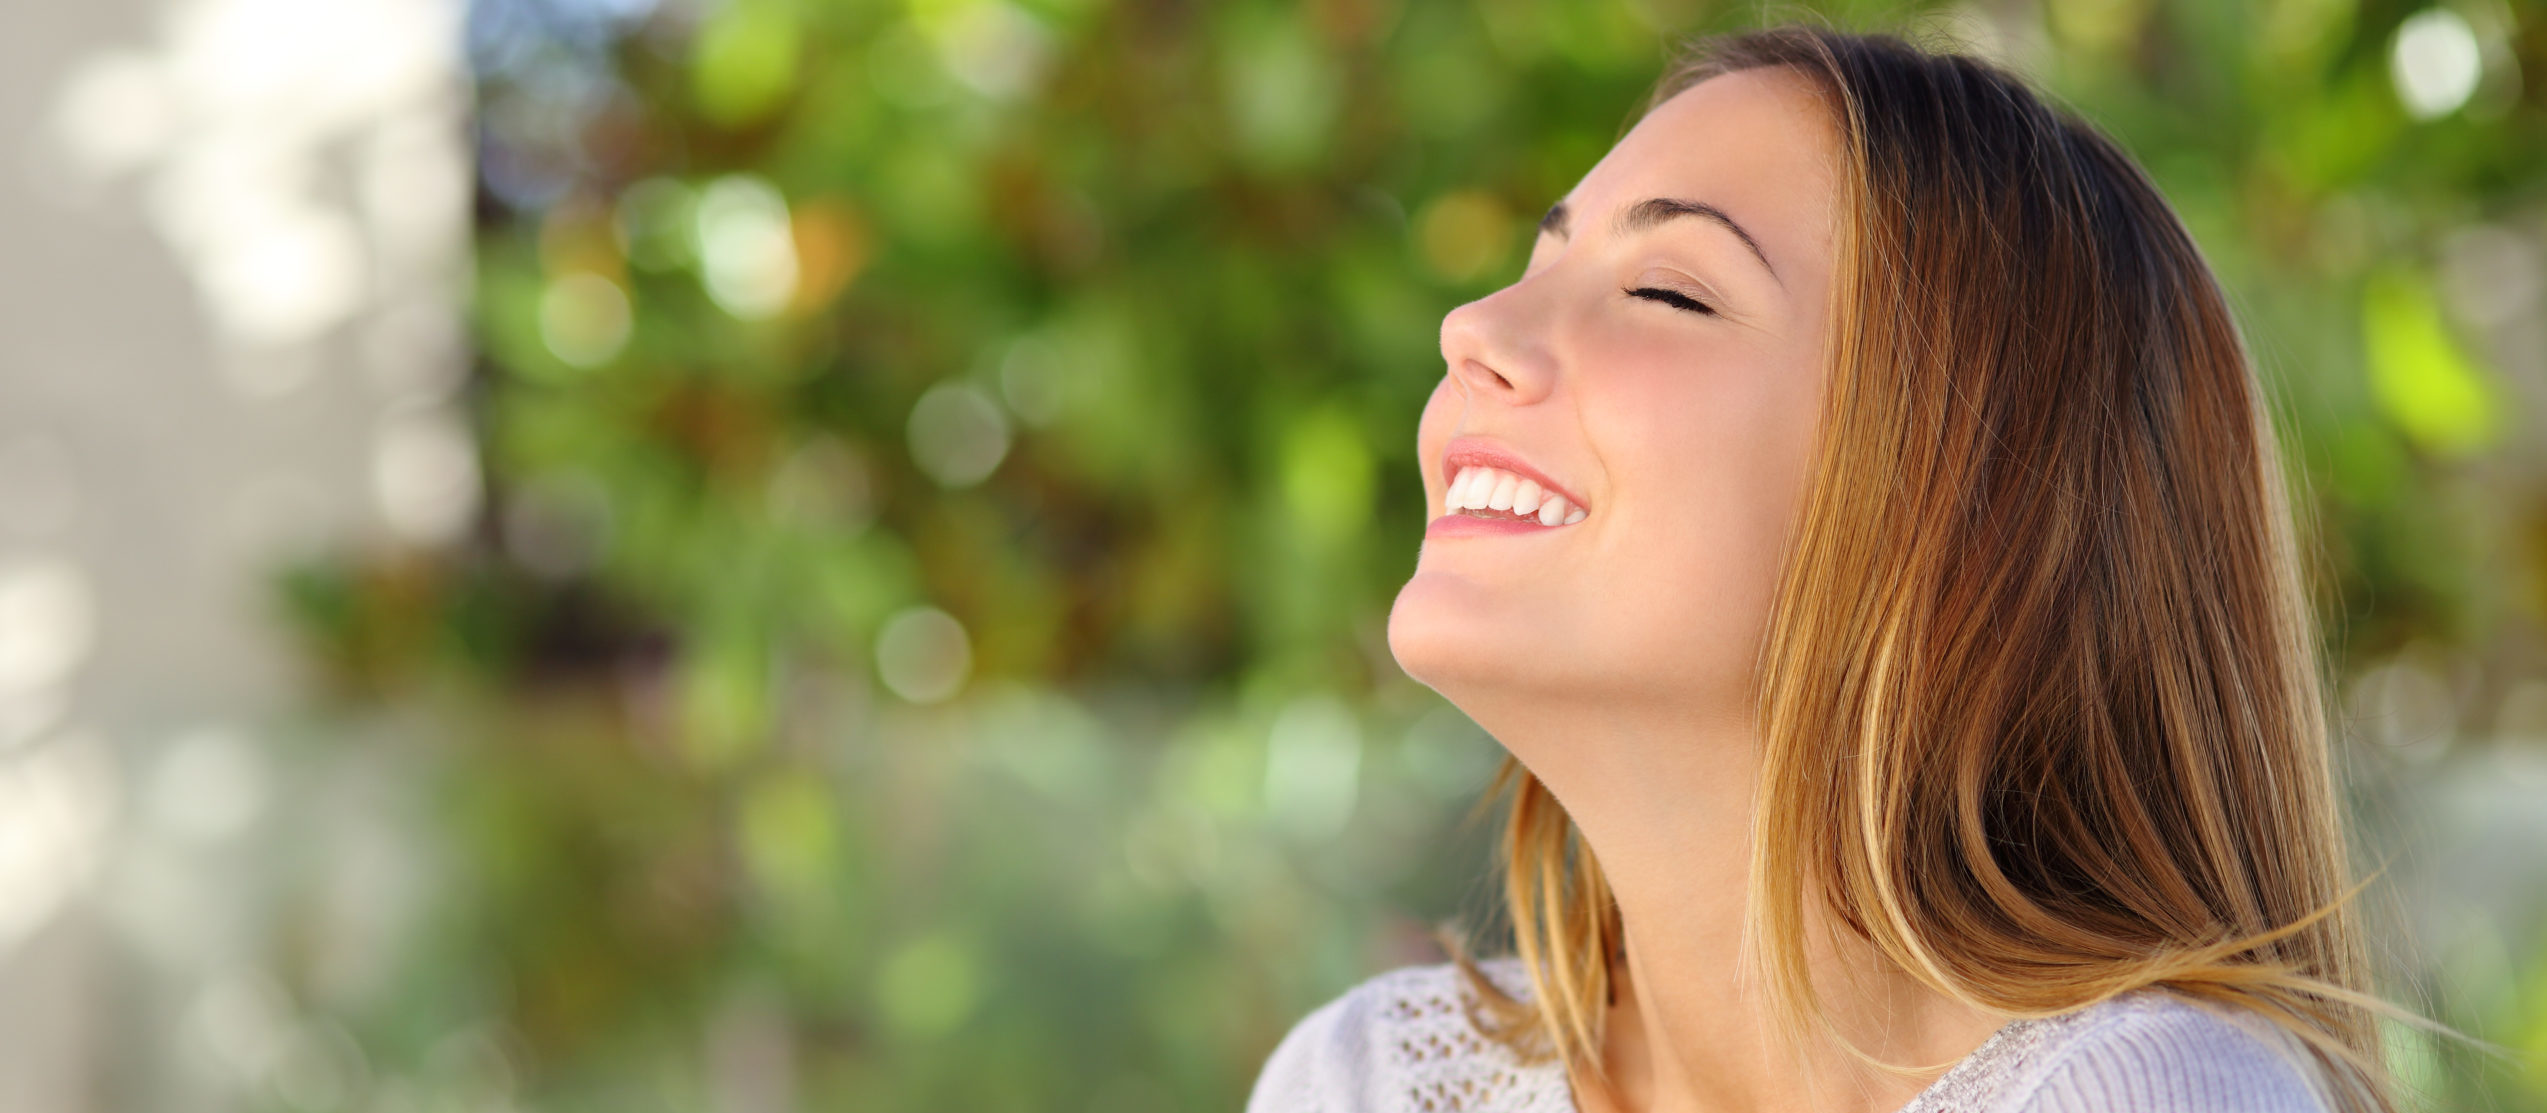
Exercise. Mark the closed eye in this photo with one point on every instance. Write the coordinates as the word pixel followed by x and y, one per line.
pixel 1673 298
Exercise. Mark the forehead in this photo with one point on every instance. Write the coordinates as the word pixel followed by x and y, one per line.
pixel 1757 143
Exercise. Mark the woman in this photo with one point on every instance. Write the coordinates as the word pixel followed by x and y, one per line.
pixel 1863 528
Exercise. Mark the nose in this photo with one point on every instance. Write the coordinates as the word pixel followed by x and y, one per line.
pixel 1496 347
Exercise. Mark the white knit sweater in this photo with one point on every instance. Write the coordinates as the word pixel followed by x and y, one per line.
pixel 1401 1043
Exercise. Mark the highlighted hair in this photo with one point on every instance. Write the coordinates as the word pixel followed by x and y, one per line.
pixel 2041 705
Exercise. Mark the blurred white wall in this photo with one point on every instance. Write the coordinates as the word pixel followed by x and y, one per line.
pixel 232 243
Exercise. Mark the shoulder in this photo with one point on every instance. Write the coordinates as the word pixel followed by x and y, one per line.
pixel 1402 1040
pixel 2159 1051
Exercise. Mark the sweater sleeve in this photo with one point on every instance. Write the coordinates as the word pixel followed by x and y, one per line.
pixel 2180 1060
pixel 1312 1069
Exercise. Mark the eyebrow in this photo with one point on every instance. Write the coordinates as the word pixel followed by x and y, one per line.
pixel 1654 211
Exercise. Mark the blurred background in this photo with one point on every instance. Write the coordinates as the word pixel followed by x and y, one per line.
pixel 765 555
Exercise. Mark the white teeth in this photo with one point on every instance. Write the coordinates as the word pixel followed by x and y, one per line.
pixel 1483 488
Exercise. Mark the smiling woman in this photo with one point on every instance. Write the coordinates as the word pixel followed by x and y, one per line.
pixel 1918 665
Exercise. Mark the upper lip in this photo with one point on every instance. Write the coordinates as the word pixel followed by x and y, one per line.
pixel 1479 452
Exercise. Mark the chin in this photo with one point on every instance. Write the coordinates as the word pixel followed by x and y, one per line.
pixel 1450 636
pixel 1486 651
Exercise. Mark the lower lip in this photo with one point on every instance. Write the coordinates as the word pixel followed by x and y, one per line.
pixel 1470 525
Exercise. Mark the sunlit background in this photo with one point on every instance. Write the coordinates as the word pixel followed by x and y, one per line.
pixel 780 555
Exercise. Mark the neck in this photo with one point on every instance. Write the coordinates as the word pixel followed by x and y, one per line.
pixel 1664 800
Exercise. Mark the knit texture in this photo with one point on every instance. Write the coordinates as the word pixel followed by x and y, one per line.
pixel 1402 1042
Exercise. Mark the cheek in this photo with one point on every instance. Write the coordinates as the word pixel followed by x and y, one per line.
pixel 1707 450
pixel 1715 434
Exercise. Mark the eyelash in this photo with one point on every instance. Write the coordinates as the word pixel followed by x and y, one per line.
pixel 1673 298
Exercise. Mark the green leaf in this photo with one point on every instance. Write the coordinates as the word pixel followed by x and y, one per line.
pixel 1328 476
pixel 2423 380
pixel 744 61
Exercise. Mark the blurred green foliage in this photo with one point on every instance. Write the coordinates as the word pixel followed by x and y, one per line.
pixel 948 465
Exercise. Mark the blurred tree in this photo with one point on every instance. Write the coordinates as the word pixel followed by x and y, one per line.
pixel 949 463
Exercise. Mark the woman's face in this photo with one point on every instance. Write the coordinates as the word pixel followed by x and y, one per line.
pixel 1682 434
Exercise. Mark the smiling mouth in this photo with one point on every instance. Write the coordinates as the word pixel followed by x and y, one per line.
pixel 1494 494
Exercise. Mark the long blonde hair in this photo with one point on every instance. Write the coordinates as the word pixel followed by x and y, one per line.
pixel 2041 705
